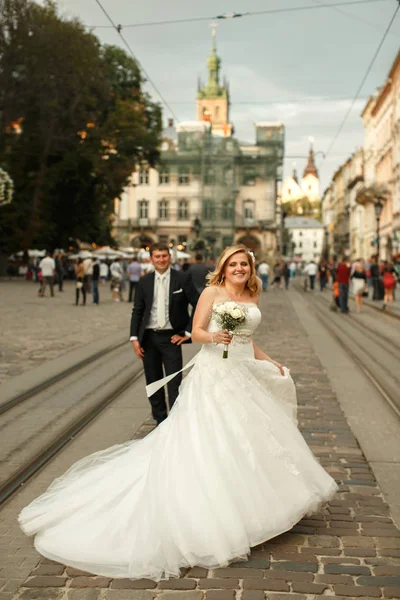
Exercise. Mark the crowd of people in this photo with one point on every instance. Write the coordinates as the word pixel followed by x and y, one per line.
pixel 121 274
pixel 360 278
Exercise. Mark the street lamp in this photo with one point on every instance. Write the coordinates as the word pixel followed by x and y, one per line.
pixel 378 206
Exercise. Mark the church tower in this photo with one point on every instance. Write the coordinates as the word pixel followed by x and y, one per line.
pixel 310 179
pixel 213 99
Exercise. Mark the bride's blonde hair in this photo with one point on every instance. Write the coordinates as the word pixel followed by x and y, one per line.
pixel 217 276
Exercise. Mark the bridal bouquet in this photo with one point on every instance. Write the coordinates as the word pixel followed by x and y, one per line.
pixel 229 316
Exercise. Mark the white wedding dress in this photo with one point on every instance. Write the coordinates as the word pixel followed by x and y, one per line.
pixel 226 471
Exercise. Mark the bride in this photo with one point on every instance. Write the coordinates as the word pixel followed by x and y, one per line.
pixel 226 471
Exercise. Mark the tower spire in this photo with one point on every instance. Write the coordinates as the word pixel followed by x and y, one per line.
pixel 311 169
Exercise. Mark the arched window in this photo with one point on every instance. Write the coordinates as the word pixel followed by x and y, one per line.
pixel 163 177
pixel 163 209
pixel 183 209
pixel 248 209
pixel 144 177
pixel 209 178
pixel 208 209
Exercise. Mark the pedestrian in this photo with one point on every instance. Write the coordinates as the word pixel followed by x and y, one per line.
pixel 95 280
pixel 47 267
pixel 160 324
pixel 311 271
pixel 80 282
pixel 292 268
pixel 104 272
pixel 389 283
pixel 60 271
pixel 286 275
pixel 197 273
pixel 263 273
pixel 88 268
pixel 323 275
pixel 343 279
pixel 278 272
pixel 116 279
pixel 377 285
pixel 134 271
pixel 359 283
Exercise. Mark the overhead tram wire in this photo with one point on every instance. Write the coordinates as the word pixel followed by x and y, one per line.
pixel 371 64
pixel 118 29
pixel 235 15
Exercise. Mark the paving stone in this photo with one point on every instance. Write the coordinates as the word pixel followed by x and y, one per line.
pixel 212 583
pixel 196 572
pixel 238 572
pixel 289 575
pixel 309 588
pixel 272 596
pixel 379 581
pixel 347 569
pixel 356 591
pixel 133 584
pixel 266 584
pixel 43 593
pixel 90 582
pixel 45 581
pixel 252 563
pixel 343 579
pixel 387 570
pixel 324 541
pixel 252 595
pixel 177 584
pixel 221 595
pixel 139 595
pixel 86 594
pixel 179 596
pixel 295 566
pixel 55 569
pixel 391 592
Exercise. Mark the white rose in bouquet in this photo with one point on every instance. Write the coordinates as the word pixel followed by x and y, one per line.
pixel 236 313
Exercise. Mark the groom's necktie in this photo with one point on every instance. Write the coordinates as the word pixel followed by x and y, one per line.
pixel 161 303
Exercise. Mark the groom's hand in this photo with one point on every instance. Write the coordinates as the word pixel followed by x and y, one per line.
pixel 138 349
pixel 179 339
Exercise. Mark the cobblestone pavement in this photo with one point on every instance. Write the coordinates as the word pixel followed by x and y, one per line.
pixel 350 549
pixel 36 330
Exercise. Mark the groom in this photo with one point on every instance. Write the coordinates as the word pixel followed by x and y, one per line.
pixel 160 323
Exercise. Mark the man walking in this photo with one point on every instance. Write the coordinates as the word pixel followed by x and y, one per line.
pixel 311 270
pixel 134 271
pixel 160 323
pixel 48 266
pixel 263 273
pixel 116 279
pixel 197 273
pixel 95 280
pixel 60 270
pixel 343 279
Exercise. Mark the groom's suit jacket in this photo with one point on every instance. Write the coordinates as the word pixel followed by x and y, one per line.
pixel 181 294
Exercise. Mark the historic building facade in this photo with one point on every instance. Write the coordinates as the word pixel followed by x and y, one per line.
pixel 208 190
pixel 369 177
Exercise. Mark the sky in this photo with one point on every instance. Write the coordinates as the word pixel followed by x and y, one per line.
pixel 301 68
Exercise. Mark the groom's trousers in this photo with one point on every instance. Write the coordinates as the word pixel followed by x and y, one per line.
pixel 159 353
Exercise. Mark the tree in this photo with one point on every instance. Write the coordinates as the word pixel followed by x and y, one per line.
pixel 73 122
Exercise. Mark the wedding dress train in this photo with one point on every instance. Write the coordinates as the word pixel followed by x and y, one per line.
pixel 226 471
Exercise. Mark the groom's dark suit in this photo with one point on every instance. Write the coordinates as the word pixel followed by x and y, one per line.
pixel 158 349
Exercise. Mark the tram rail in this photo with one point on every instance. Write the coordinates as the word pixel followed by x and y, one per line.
pixel 380 365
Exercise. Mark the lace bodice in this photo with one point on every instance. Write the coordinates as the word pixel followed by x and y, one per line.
pixel 243 335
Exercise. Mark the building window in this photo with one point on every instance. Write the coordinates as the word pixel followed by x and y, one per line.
pixel 163 178
pixel 144 177
pixel 183 209
pixel 143 209
pixel 163 238
pixel 183 177
pixel 248 209
pixel 300 244
pixel 300 233
pixel 216 113
pixel 315 244
pixel 227 210
pixel 289 191
pixel 208 210
pixel 182 239
pixel 209 178
pixel 228 176
pixel 163 209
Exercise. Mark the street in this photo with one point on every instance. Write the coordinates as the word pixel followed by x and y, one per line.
pixel 349 549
